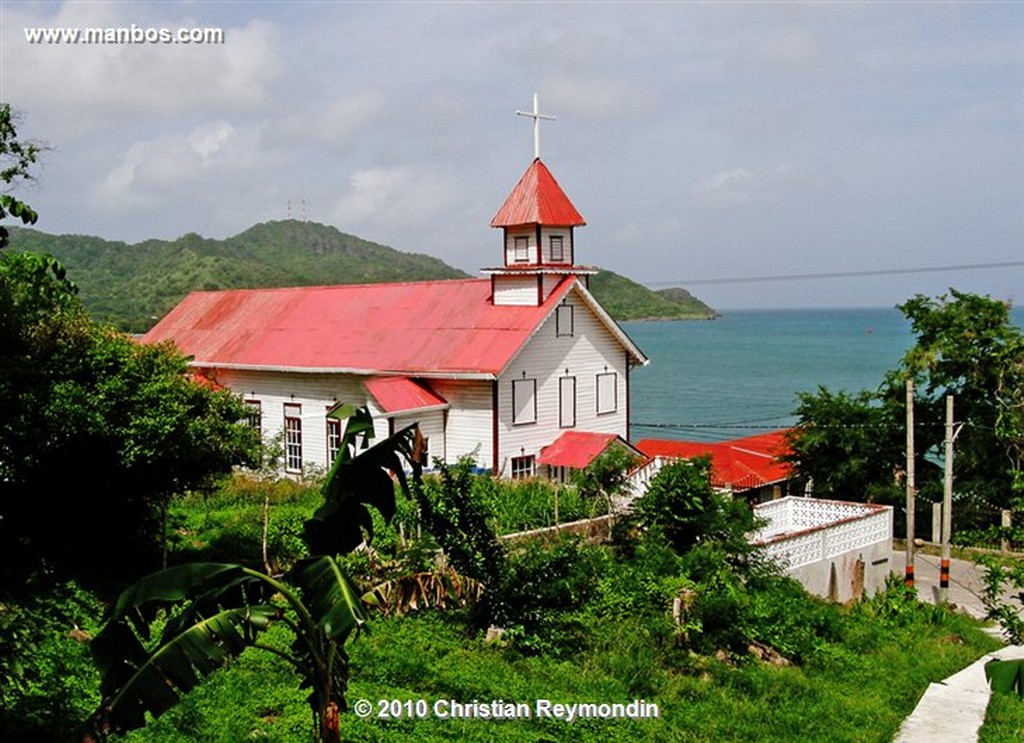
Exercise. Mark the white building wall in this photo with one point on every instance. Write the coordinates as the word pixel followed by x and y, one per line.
pixel 590 351
pixel 470 422
pixel 530 233
pixel 515 290
pixel 314 392
pixel 566 234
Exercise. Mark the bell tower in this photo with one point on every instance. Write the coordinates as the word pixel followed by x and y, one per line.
pixel 538 225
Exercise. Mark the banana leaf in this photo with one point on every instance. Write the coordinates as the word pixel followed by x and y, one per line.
pixel 353 485
pixel 1006 676
pixel 330 597
pixel 222 610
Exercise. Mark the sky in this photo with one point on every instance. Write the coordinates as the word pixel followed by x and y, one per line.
pixel 706 144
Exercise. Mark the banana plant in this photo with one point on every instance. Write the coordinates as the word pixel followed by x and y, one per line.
pixel 211 612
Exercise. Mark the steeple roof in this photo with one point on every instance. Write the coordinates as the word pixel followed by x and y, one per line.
pixel 537 199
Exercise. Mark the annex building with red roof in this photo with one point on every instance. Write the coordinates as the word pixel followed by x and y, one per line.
pixel 749 466
pixel 496 368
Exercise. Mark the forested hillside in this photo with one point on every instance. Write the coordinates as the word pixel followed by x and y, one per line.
pixel 132 286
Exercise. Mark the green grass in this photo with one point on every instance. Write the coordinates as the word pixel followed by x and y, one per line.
pixel 599 633
pixel 861 692
pixel 520 505
pixel 227 525
pixel 1004 721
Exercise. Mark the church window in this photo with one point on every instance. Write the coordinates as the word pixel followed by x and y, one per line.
pixel 557 251
pixel 521 249
pixel 254 415
pixel 607 393
pixel 292 438
pixel 524 401
pixel 523 467
pixel 567 402
pixel 333 440
pixel 564 321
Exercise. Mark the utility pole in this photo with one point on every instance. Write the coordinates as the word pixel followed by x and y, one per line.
pixel 908 579
pixel 947 503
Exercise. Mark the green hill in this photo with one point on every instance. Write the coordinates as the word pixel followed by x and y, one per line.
pixel 132 286
pixel 693 306
pixel 626 300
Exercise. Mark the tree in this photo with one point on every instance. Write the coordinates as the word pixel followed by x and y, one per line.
pixel 607 476
pixel 850 446
pixel 968 347
pixel 211 612
pixel 853 446
pixel 97 431
pixel 681 505
pixel 16 159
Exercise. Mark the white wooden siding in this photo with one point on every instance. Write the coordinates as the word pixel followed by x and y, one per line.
pixel 470 425
pixel 314 392
pixel 431 426
pixel 510 242
pixel 550 282
pixel 515 290
pixel 590 351
pixel 566 234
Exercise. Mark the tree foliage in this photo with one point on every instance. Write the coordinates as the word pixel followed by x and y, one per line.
pixel 968 347
pixel 96 430
pixel 16 160
pixel 212 612
pixel 681 505
pixel 853 446
pixel 850 445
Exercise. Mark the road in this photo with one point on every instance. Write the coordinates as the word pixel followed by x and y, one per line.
pixel 965 581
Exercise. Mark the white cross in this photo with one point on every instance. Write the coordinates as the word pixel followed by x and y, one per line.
pixel 536 115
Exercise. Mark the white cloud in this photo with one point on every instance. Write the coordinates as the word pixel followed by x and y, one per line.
pixel 741 185
pixel 206 162
pixel 382 199
pixel 111 84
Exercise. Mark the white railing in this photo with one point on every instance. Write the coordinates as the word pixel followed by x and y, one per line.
pixel 804 530
pixel 641 477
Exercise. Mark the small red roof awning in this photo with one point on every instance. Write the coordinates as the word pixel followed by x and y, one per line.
pixel 577 449
pixel 398 394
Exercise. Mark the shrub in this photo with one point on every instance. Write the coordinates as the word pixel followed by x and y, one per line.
pixel 47 680
pixel 681 505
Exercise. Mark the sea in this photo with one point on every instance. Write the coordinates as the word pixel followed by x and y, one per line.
pixel 741 374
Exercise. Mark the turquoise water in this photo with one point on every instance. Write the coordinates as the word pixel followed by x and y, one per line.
pixel 740 374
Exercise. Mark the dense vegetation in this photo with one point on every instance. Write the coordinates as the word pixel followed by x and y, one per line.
pixel 967 347
pixel 131 286
pixel 746 655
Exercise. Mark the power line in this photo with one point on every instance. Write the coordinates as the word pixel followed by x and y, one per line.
pixel 837 274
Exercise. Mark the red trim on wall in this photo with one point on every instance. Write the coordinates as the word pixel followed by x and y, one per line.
pixel 627 396
pixel 494 427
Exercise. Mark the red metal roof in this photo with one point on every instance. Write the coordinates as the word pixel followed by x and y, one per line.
pixel 398 394
pixel 577 449
pixel 537 199
pixel 740 463
pixel 415 329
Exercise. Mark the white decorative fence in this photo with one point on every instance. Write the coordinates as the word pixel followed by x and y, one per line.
pixel 641 477
pixel 834 548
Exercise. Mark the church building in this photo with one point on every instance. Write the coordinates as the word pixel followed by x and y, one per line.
pixel 499 368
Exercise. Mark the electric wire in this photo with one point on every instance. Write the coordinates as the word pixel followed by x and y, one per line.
pixel 835 274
